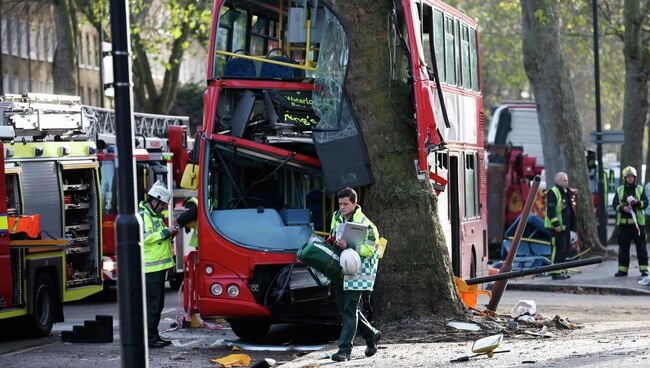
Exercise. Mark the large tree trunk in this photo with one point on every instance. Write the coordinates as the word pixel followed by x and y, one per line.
pixel 64 67
pixel 636 84
pixel 558 117
pixel 415 276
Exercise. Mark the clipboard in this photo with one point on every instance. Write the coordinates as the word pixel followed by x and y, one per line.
pixel 353 233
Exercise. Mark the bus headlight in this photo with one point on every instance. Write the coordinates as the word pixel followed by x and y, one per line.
pixel 233 291
pixel 108 265
pixel 216 289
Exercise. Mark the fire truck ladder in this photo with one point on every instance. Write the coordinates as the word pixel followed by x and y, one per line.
pixel 147 125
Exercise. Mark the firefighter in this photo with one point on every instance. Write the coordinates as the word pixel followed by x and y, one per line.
pixel 348 295
pixel 188 218
pixel 560 219
pixel 158 257
pixel 629 202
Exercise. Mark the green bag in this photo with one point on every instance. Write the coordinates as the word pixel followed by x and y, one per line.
pixel 323 258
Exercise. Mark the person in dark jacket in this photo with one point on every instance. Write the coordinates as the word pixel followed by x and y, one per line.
pixel 629 202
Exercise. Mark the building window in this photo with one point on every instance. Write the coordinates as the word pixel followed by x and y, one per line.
pixel 89 51
pixel 51 44
pixel 33 44
pixel 22 26
pixel 5 37
pixel 15 85
pixel 13 34
pixel 80 54
pixel 5 83
pixel 42 50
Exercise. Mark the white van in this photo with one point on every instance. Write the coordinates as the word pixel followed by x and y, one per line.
pixel 516 124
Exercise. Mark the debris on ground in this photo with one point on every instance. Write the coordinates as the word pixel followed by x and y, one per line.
pixel 523 307
pixel 233 360
pixel 464 326
pixel 260 347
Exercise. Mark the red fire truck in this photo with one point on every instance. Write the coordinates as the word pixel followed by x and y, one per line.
pixel 161 154
pixel 280 138
pixel 49 168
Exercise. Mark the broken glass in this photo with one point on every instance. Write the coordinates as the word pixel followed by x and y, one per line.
pixel 328 84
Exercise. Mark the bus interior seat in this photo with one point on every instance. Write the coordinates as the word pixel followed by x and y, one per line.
pixel 270 70
pixel 295 216
pixel 239 68
pixel 242 113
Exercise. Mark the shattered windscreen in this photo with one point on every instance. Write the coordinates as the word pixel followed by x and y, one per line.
pixel 328 84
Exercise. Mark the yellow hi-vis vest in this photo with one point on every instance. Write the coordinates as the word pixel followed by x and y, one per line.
pixel 364 279
pixel 194 241
pixel 548 220
pixel 640 216
pixel 157 241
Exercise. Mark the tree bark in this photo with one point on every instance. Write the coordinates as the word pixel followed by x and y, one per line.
pixel 415 276
pixel 636 84
pixel 64 66
pixel 558 117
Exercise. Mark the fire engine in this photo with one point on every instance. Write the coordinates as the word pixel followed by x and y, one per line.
pixel 280 137
pixel 161 154
pixel 50 216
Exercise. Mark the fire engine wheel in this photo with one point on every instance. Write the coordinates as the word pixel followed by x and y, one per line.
pixel 40 322
pixel 250 329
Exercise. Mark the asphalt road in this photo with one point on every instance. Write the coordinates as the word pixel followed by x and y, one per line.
pixel 190 347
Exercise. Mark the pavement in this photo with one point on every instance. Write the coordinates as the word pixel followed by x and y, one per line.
pixel 598 278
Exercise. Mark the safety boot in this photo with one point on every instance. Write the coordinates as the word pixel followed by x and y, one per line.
pixel 620 274
pixel 644 273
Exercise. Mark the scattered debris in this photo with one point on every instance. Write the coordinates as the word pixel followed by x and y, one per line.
pixel 464 326
pixel 233 360
pixel 564 323
pixel 645 281
pixel 484 346
pixel 264 363
pixel 512 325
pixel 523 307
pixel 256 347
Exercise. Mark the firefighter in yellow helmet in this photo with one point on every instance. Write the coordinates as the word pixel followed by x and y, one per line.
pixel 629 202
pixel 158 257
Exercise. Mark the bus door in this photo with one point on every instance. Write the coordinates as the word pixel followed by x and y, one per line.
pixel 454 203
pixel 419 28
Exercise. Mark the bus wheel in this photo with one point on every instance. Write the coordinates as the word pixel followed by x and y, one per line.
pixel 250 329
pixel 40 322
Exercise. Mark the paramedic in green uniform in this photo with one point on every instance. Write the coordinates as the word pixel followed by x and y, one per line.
pixel 348 295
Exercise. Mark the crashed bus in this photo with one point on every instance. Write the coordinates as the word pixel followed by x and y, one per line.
pixel 280 138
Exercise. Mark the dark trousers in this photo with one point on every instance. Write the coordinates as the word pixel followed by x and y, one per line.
pixel 348 305
pixel 155 284
pixel 560 245
pixel 627 234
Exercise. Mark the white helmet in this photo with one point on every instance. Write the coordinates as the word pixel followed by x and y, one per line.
pixel 160 192
pixel 350 262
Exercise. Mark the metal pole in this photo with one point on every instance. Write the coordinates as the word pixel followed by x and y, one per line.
pixel 101 61
pixel 534 271
pixel 602 207
pixel 128 230
pixel 500 286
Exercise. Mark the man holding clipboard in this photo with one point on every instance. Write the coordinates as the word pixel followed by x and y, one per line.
pixel 351 228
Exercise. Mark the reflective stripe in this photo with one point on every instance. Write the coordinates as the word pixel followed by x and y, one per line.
pixel 643 267
pixel 554 219
pixel 147 233
pixel 4 223
pixel 370 243
pixel 622 268
pixel 327 251
pixel 360 277
pixel 158 262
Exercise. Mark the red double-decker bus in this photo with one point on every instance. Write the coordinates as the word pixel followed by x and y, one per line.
pixel 279 138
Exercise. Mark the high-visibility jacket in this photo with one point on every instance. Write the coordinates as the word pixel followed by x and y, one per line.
pixel 555 217
pixel 194 240
pixel 364 279
pixel 620 201
pixel 157 241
